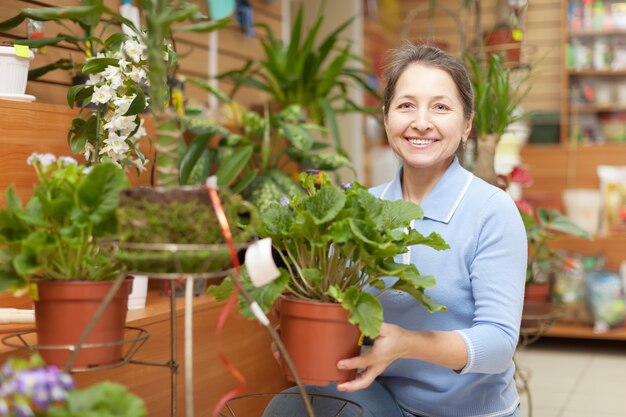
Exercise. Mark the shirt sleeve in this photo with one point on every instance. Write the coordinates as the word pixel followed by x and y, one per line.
pixel 497 274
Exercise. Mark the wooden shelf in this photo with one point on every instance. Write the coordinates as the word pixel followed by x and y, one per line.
pixel 579 331
pixel 243 341
pixel 596 73
pixel 580 33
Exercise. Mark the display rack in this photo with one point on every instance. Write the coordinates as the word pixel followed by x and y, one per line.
pixel 189 279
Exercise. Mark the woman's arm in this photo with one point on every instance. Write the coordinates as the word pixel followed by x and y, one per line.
pixel 446 349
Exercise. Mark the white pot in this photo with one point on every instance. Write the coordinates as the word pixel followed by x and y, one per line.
pixel 13 71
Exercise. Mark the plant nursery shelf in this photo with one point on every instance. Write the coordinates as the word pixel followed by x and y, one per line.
pixel 580 331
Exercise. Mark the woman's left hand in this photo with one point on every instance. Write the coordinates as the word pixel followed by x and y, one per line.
pixel 386 349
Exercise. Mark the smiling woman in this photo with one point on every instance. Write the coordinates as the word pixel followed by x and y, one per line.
pixel 420 362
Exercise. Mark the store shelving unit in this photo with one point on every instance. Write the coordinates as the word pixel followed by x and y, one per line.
pixel 592 131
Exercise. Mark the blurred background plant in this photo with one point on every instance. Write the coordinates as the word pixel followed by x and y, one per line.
pixel 28 387
pixel 542 226
pixel 256 154
pixel 315 74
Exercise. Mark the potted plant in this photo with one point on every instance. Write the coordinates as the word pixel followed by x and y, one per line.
pixel 92 19
pixel 315 74
pixel 29 387
pixel 338 246
pixel 51 247
pixel 543 227
pixel 256 154
pixel 497 96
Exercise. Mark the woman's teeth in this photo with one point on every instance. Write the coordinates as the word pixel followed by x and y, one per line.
pixel 421 141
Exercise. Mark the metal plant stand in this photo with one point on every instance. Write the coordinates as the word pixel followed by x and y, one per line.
pixel 537 319
pixel 174 252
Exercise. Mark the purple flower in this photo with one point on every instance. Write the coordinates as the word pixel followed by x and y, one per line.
pixel 284 201
pixel 37 387
pixel 313 171
pixel 345 186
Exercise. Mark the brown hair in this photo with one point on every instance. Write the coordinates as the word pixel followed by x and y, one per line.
pixel 400 58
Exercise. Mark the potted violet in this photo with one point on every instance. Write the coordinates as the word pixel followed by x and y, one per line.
pixel 337 245
pixel 51 247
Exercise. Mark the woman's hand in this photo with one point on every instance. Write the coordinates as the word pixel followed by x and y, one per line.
pixel 386 349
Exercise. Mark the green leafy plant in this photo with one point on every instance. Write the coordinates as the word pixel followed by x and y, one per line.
pixel 254 153
pixel 55 236
pixel 543 227
pixel 313 73
pixel 497 96
pixel 338 245
pixel 31 388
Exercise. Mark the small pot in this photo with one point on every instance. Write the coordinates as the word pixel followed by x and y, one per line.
pixel 63 309
pixel 13 71
pixel 317 335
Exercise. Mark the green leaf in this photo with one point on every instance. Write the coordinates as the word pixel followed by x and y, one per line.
pixel 205 27
pixel 138 104
pixel 104 397
pixel 244 182
pixel 84 132
pixel 297 135
pixel 556 221
pixel 325 204
pixel 222 291
pixel 192 155
pixel 365 310
pixel 72 13
pixel 276 221
pixel 11 23
pixel 25 264
pixel 98 191
pixel 41 42
pixel 13 202
pixel 114 40
pixel 232 166
pixel 74 91
pixel 312 274
pixel 96 65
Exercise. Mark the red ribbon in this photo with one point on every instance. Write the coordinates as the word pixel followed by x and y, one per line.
pixel 228 238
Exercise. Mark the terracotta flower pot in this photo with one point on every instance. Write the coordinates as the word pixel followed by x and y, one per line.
pixel 65 308
pixel 501 40
pixel 316 336
pixel 537 292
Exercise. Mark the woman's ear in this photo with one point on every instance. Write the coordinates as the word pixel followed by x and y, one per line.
pixel 468 127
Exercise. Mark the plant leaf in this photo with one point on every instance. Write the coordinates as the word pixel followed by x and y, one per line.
pixel 192 155
pixel 232 166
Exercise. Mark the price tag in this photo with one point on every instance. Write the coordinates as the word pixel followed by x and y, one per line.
pixel 33 292
pixel 22 51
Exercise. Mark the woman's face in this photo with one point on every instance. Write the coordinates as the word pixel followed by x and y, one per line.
pixel 425 122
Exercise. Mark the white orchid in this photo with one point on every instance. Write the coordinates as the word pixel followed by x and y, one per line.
pixel 102 94
pixel 134 50
pixel 114 76
pixel 121 104
pixel 114 89
pixel 115 147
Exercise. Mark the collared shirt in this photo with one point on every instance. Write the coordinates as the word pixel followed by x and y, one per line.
pixel 480 280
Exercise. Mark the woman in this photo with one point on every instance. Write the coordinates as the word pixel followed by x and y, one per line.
pixel 457 363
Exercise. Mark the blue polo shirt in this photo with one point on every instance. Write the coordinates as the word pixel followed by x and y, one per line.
pixel 480 279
